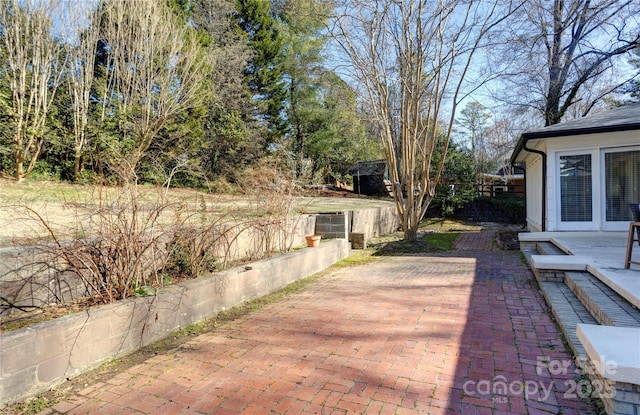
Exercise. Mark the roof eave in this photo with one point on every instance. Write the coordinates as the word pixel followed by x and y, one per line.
pixel 542 134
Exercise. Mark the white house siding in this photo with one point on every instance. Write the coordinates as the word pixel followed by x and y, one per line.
pixel 596 145
pixel 533 180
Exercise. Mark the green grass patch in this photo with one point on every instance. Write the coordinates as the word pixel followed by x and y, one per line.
pixel 34 405
pixel 359 257
pixel 426 243
pixel 440 241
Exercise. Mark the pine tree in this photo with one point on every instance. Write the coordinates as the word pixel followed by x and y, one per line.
pixel 263 73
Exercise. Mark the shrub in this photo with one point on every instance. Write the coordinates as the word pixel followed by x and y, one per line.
pixel 508 207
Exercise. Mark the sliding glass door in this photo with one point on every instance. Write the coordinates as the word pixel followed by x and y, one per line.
pixel 622 186
pixel 595 188
pixel 576 191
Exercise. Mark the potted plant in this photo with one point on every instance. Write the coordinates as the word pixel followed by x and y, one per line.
pixel 313 240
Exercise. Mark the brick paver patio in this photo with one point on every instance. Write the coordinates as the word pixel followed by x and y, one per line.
pixel 465 332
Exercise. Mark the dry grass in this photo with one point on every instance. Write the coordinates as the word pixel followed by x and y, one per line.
pixel 64 206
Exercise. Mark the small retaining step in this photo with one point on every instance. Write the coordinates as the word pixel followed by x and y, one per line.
pixel 561 262
pixel 568 312
pixel 604 304
pixel 543 249
pixel 548 248
pixel 614 364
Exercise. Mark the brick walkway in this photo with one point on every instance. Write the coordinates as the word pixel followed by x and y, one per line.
pixel 459 333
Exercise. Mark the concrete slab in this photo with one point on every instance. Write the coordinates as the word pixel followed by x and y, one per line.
pixel 623 281
pixel 614 351
pixel 561 262
pixel 605 252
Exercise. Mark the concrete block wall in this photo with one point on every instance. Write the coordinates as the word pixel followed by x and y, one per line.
pixel 618 398
pixel 30 277
pixel 371 223
pixel 374 222
pixel 42 356
pixel 332 225
pixel 254 239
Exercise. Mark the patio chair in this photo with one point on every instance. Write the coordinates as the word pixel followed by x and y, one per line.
pixel 634 234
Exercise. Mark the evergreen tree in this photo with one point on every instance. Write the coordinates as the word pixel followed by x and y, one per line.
pixel 307 116
pixel 263 75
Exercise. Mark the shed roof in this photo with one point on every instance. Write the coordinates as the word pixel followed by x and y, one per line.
pixel 618 119
pixel 369 168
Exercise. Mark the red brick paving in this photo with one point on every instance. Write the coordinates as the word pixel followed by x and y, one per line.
pixel 457 333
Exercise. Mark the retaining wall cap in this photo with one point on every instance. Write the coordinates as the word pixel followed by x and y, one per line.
pixel 613 351
pixel 561 262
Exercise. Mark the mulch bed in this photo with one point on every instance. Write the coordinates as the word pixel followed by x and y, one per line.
pixel 509 240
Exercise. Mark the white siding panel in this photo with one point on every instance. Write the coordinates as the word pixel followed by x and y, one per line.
pixel 534 192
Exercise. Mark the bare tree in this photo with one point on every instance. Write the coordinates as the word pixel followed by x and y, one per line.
pixel 410 60
pixel 561 54
pixel 34 71
pixel 82 23
pixel 473 119
pixel 501 137
pixel 157 69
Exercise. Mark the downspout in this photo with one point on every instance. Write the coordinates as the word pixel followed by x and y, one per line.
pixel 524 224
pixel 544 181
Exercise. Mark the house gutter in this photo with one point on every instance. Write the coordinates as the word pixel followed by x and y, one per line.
pixel 522 146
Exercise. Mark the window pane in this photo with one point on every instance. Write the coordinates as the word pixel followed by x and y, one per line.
pixel 575 188
pixel 622 175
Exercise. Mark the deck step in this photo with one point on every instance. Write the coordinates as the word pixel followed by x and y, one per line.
pixel 604 304
pixel 568 312
pixel 548 248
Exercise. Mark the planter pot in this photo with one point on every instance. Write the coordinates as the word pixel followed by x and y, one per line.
pixel 313 240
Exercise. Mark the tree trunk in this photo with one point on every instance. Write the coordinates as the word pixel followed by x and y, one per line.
pixel 77 166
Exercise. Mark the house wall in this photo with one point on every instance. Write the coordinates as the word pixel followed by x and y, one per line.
pixel 594 144
pixel 533 180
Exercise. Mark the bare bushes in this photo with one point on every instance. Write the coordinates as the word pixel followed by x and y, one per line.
pixel 271 194
pixel 199 246
pixel 126 241
pixel 121 243
pixel 116 248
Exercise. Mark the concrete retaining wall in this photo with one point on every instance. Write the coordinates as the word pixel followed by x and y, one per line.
pixel 374 222
pixel 332 225
pixel 29 277
pixel 37 358
pixel 32 276
pixel 371 223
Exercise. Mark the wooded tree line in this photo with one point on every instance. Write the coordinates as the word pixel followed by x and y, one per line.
pixel 179 90
pixel 156 89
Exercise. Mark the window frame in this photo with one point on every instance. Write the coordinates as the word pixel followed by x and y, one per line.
pixel 594 223
pixel 611 225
